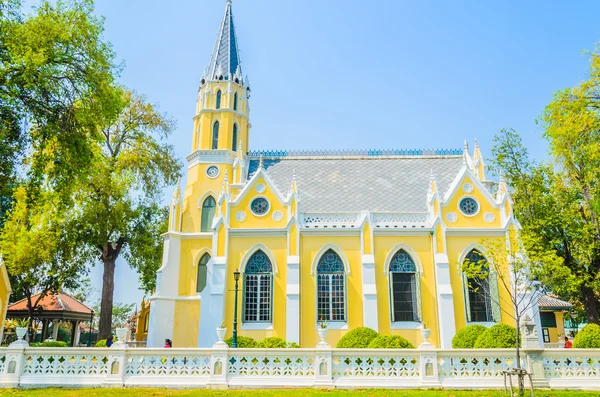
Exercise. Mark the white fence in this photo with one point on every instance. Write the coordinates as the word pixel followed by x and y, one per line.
pixel 221 367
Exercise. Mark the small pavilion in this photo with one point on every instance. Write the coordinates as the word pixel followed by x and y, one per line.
pixel 54 308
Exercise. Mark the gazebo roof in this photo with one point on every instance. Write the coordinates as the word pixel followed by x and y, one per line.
pixel 60 306
pixel 552 303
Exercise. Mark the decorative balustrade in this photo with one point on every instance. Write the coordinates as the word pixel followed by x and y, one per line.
pixel 400 219
pixel 322 367
pixel 354 153
pixel 315 220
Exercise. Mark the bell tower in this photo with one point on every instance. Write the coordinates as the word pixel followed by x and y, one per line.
pixel 221 122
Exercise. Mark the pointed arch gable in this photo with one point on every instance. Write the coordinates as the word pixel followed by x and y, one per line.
pixel 251 252
pixel 204 196
pixel 402 246
pixel 323 250
pixel 454 187
pixel 465 252
pixel 200 254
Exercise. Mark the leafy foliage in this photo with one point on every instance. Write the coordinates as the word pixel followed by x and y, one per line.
pixel 499 336
pixel 101 343
pixel 358 338
pixel 467 336
pixel 588 337
pixel 49 344
pixel 390 342
pixel 243 342
pixel 272 343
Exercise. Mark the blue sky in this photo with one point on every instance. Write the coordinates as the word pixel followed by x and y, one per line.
pixel 359 74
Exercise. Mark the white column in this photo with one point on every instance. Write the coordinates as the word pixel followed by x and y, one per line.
pixel 55 325
pixel 77 334
pixel 292 307
pixel 445 298
pixel 162 308
pixel 212 302
pixel 369 291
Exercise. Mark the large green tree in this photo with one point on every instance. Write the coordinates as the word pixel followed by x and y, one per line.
pixel 558 203
pixel 38 246
pixel 119 199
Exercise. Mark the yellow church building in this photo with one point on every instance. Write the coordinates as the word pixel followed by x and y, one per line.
pixel 351 238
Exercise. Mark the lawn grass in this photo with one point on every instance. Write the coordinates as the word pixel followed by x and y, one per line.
pixel 143 392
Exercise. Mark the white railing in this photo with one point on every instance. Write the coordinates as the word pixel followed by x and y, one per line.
pixel 322 367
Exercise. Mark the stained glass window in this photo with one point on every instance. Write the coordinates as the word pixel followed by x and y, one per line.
pixel 234 138
pixel 208 213
pixel 478 294
pixel 215 137
pixel 405 293
pixel 259 206
pixel 201 273
pixel 218 106
pixel 258 288
pixel 331 288
pixel 469 206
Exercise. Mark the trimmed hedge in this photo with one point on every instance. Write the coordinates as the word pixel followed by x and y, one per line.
pixel 243 342
pixel 49 344
pixel 101 343
pixel 499 336
pixel 273 343
pixel 466 337
pixel 358 338
pixel 390 342
pixel 588 337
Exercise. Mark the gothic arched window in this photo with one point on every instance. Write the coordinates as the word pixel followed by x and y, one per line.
pixel 235 102
pixel 218 105
pixel 258 288
pixel 215 137
pixel 481 294
pixel 404 288
pixel 208 213
pixel 331 288
pixel 234 138
pixel 201 273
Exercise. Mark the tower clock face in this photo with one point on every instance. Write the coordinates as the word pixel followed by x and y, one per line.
pixel 212 171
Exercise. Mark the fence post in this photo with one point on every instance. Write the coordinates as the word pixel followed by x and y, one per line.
pixel 534 352
pixel 428 365
pixel 13 367
pixel 116 366
pixel 219 366
pixel 323 366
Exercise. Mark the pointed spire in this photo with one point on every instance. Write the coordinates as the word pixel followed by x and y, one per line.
pixel 476 144
pixel 261 163
pixel 225 58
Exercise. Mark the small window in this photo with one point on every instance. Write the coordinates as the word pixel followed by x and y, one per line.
pixel 331 288
pixel 469 206
pixel 208 214
pixel 548 319
pixel 201 273
pixel 218 106
pixel 546 334
pixel 260 206
pixel 234 138
pixel 235 102
pixel 404 288
pixel 215 137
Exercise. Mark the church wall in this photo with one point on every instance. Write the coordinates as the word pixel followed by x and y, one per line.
pixel 238 248
pixel 190 250
pixel 476 221
pixel 309 247
pixel 252 221
pixel 185 329
pixel 199 186
pixel 421 245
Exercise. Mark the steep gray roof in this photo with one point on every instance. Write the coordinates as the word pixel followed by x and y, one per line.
pixel 226 54
pixel 354 184
pixel 549 302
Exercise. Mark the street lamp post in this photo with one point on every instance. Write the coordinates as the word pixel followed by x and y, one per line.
pixel 573 323
pixel 236 277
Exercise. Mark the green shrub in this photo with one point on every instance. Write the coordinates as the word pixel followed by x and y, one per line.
pixel 273 343
pixel 390 342
pixel 101 343
pixel 243 342
pixel 588 337
pixel 358 338
pixel 293 345
pixel 500 336
pixel 54 344
pixel 466 337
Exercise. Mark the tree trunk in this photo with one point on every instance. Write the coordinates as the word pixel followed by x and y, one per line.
pixel 108 288
pixel 591 304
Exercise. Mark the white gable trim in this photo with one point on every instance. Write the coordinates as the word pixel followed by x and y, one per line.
pixel 264 249
pixel 462 175
pixel 324 249
pixel 409 251
pixel 469 248
pixel 200 254
pixel 251 184
pixel 204 196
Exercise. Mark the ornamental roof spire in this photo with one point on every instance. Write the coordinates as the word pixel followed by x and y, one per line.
pixel 225 59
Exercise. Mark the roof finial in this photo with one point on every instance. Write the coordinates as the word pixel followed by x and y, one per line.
pixel 294 174
pixel 261 164
pixel 466 146
pixel 476 144
pixel 228 2
pixel 431 177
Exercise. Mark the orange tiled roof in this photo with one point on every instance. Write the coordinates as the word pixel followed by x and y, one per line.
pixel 54 303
